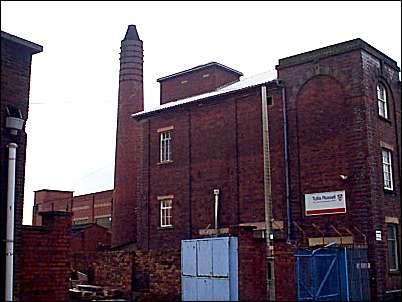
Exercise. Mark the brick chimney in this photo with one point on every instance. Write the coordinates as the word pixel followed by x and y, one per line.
pixel 131 100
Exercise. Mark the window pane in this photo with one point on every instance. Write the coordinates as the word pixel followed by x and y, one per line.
pixel 387 169
pixel 392 248
pixel 166 212
pixel 382 101
pixel 165 146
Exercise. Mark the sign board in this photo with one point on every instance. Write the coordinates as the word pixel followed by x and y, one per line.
pixel 378 235
pixel 325 203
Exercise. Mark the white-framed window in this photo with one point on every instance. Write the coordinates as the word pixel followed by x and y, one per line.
pixel 393 253
pixel 166 212
pixel 387 169
pixel 382 101
pixel 165 146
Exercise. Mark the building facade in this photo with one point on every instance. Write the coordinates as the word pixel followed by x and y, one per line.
pixel 94 208
pixel 333 143
pixel 16 59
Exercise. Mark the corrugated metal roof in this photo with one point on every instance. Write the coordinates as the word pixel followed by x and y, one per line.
pixel 244 83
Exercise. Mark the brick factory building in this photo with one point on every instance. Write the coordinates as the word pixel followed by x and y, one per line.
pixel 87 208
pixel 309 153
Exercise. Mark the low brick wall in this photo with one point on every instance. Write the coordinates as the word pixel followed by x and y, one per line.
pixel 105 268
pixel 161 268
pixel 150 275
pixel 285 283
pixel 155 275
pixel 45 259
pixel 252 267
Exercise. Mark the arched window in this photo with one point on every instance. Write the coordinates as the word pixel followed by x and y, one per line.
pixel 382 101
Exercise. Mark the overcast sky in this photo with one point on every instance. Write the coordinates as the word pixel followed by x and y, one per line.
pixel 74 85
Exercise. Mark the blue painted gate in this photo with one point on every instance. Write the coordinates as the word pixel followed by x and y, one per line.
pixel 209 269
pixel 332 274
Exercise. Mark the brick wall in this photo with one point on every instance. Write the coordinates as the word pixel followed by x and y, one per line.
pixel 194 82
pixel 16 58
pixel 285 283
pixel 153 275
pixel 214 146
pixel 91 239
pixel 111 268
pixel 162 269
pixel 44 260
pixel 334 129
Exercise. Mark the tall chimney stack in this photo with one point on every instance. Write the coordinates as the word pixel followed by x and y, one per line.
pixel 131 100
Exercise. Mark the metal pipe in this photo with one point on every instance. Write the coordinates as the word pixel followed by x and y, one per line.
pixel 286 155
pixel 216 193
pixel 12 153
pixel 267 197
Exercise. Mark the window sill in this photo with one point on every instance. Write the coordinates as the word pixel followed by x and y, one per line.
pixel 389 191
pixel 164 162
pixel 166 228
pixel 394 273
pixel 385 119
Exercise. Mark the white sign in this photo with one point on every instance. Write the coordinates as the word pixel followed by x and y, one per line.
pixel 378 235
pixel 325 203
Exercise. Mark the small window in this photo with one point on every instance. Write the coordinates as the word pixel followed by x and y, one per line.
pixel 269 100
pixel 81 221
pixel 382 101
pixel 393 261
pixel 104 221
pixel 387 169
pixel 165 146
pixel 166 212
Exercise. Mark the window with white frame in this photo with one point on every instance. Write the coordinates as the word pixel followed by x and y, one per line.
pixel 165 146
pixel 166 212
pixel 387 169
pixel 393 261
pixel 382 101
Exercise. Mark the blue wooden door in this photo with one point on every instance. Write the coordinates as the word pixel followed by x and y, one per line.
pixel 209 269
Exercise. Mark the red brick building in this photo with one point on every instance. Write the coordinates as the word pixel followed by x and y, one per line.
pixel 41 254
pixel 90 237
pixel 87 208
pixel 333 129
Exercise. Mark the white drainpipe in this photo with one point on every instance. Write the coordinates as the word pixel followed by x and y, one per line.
pixel 216 193
pixel 12 152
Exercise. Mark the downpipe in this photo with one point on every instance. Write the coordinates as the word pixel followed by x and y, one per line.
pixel 267 198
pixel 216 207
pixel 12 153
pixel 286 155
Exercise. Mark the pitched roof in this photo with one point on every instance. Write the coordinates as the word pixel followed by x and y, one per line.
pixel 78 228
pixel 244 83
pixel 200 67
